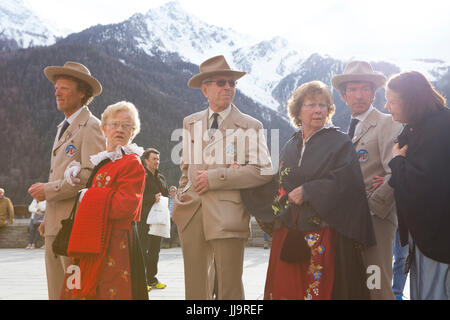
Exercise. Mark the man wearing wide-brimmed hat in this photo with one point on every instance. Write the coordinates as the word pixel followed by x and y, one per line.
pixel 373 134
pixel 216 163
pixel 78 137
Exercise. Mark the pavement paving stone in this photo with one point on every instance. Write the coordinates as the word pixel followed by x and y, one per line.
pixel 23 274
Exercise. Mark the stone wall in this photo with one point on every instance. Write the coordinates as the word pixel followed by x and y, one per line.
pixel 256 238
pixel 16 235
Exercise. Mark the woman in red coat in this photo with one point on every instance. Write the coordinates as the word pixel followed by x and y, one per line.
pixel 104 246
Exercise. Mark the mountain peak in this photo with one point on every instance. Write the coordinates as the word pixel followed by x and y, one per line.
pixel 20 24
pixel 172 5
pixel 172 10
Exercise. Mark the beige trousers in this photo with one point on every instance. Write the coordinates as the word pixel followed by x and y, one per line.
pixel 203 260
pixel 55 268
pixel 380 256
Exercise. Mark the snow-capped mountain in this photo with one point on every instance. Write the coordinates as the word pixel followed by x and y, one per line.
pixel 315 67
pixel 20 27
pixel 433 69
pixel 170 28
pixel 275 67
pixel 272 64
pixel 174 30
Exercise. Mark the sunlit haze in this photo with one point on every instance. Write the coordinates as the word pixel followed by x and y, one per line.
pixel 380 29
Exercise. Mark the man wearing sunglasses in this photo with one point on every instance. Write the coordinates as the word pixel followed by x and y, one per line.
pixel 212 222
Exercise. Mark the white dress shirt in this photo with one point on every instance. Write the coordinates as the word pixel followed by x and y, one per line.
pixel 361 117
pixel 222 116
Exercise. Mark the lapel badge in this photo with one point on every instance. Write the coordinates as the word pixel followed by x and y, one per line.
pixel 71 150
pixel 363 155
pixel 230 149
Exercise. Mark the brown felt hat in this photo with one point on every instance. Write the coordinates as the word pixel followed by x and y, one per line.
pixel 213 66
pixel 76 70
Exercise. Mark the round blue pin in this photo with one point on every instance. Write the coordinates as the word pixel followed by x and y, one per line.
pixel 71 150
pixel 363 155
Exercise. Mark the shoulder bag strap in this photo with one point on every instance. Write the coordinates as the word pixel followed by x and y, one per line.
pixel 74 208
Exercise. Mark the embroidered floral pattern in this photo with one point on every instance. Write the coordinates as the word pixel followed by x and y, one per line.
pixel 125 275
pixel 101 179
pixel 112 293
pixel 280 201
pixel 321 249
pixel 315 269
pixel 110 262
pixel 311 239
pixel 317 275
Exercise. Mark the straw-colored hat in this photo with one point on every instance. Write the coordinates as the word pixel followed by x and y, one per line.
pixel 76 70
pixel 213 66
pixel 359 71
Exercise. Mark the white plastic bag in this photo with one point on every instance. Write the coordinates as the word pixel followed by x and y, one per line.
pixel 160 230
pixel 159 218
pixel 159 213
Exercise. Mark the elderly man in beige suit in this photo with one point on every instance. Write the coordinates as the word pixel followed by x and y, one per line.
pixel 6 209
pixel 224 151
pixel 373 134
pixel 78 137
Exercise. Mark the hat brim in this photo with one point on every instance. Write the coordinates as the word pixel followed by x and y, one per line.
pixel 196 81
pixel 53 71
pixel 378 80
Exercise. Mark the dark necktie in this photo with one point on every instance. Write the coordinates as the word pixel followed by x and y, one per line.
pixel 63 129
pixel 215 124
pixel 351 129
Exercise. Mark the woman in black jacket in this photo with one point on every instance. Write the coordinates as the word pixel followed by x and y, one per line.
pixel 421 181
pixel 322 218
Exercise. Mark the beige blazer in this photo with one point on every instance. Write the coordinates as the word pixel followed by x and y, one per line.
pixel 82 139
pixel 224 215
pixel 374 144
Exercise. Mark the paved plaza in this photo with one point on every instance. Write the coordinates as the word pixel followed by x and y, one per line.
pixel 22 275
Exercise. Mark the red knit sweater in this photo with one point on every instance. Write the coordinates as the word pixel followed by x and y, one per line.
pixel 112 202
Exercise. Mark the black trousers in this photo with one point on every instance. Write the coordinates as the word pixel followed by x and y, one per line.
pixel 138 281
pixel 150 246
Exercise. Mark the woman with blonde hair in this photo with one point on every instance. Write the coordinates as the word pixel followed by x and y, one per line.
pixel 104 242
pixel 321 215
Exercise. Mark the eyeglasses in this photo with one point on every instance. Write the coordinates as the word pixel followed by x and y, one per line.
pixel 312 105
pixel 222 83
pixel 116 125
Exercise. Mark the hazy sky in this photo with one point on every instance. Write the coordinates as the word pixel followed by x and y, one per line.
pixel 388 29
